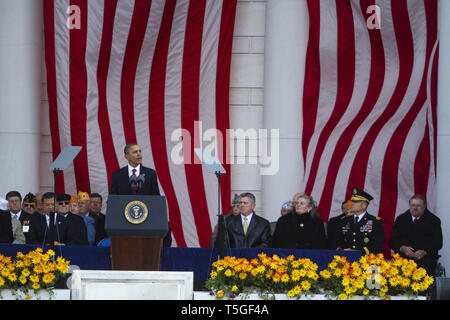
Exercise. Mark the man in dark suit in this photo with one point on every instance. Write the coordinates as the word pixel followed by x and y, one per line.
pixel 360 231
pixel 14 199
pixel 134 178
pixel 247 230
pixel 333 223
pixel 417 235
pixel 39 227
pixel 75 233
pixel 6 233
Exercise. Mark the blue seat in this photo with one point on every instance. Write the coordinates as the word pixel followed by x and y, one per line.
pixel 104 243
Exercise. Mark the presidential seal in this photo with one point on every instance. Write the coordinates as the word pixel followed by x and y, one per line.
pixel 136 212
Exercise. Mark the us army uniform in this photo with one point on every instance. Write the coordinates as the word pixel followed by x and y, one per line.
pixel 364 232
pixel 367 235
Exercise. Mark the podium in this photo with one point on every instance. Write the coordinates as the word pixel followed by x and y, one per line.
pixel 136 226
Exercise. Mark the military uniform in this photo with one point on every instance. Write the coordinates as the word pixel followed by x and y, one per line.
pixel 366 235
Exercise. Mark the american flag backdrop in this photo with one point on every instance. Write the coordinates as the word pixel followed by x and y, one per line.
pixel 122 71
pixel 369 104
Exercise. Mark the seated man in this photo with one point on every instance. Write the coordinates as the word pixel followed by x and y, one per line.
pixel 333 223
pixel 76 233
pixel 6 232
pixel 360 231
pixel 417 234
pixel 40 224
pixel 247 230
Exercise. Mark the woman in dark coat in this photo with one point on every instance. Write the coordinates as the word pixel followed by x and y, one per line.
pixel 300 229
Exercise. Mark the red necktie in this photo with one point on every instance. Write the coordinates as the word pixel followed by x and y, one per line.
pixel 134 185
pixel 415 220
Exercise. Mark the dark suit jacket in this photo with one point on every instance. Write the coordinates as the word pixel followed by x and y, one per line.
pixel 120 182
pixel 367 235
pixel 258 232
pixel 39 232
pixel 6 234
pixel 425 234
pixel 295 231
pixel 99 221
pixel 76 233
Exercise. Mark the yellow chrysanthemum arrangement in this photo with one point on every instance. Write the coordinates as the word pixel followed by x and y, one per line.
pixel 35 270
pixel 373 276
pixel 231 276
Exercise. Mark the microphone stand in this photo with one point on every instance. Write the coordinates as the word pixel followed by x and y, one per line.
pixel 51 234
pixel 221 230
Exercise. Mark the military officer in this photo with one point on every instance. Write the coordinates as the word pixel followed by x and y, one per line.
pixel 360 231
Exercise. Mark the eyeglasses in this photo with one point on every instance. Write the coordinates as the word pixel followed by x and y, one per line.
pixel 63 203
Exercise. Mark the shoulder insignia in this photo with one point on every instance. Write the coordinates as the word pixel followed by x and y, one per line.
pixel 378 218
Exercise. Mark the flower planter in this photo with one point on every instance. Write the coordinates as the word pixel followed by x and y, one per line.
pixel 56 294
pixel 205 295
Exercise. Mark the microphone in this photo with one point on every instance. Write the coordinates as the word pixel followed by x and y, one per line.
pixel 140 181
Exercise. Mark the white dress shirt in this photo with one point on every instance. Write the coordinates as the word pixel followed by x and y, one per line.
pixel 130 170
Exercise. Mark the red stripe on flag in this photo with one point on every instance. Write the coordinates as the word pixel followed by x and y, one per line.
pixel 345 82
pixel 377 70
pixel 312 77
pixel 109 153
pixel 222 94
pixel 49 34
pixel 134 44
pixel 406 61
pixel 190 113
pixel 78 92
pixel 422 164
pixel 391 164
pixel 156 120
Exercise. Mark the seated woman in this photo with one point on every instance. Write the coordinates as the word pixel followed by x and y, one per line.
pixel 300 229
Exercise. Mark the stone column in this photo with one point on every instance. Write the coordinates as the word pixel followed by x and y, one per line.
pixel 286 38
pixel 443 133
pixel 20 94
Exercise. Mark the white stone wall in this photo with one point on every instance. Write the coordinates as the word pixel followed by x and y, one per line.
pixel 246 89
pixel 246 96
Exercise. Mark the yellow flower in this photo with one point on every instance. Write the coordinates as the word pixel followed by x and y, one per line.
pixel 23 279
pixel 366 292
pixel 34 278
pixel 213 275
pixel 276 278
pixel 48 277
pixel 242 275
pixel 228 273
pixel 285 278
pixel 2 282
pixel 220 294
pixel 37 269
pixel 415 286
pixel 234 288
pixel 325 274
pixel 12 277
pixel 25 272
pixel 343 296
pixel 36 286
pixel 291 293
pixel 297 289
pixel 305 285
